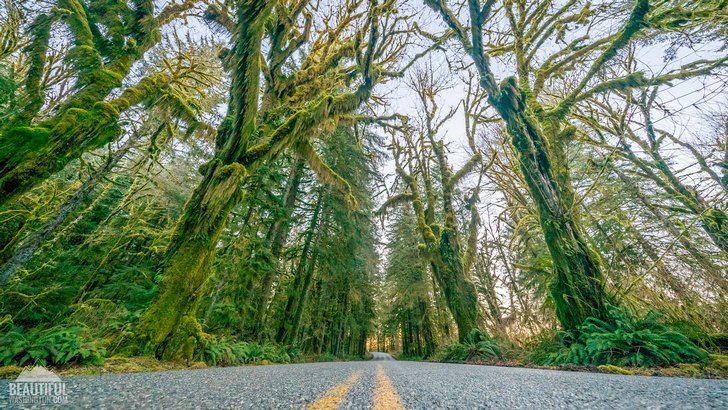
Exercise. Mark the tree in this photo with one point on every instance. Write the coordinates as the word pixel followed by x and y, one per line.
pixel 108 38
pixel 418 161
pixel 633 123
pixel 537 123
pixel 408 290
pixel 190 70
pixel 170 322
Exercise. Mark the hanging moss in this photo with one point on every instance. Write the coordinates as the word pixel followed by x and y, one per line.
pixel 22 140
pixel 36 51
pixel 100 61
pixel 715 222
pixel 22 151
pixel 85 59
pixel 77 129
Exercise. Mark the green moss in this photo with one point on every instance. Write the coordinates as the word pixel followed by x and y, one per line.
pixel 19 142
pixel 609 368
pixel 10 372
pixel 37 51
pixel 715 222
pixel 118 364
pixel 681 370
pixel 187 336
pixel 719 361
pixel 169 321
pixel 691 369
pixel 85 58
pixel 106 110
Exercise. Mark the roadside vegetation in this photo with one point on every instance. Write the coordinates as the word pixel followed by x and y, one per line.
pixel 524 182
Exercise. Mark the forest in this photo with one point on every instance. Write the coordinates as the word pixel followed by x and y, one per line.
pixel 229 182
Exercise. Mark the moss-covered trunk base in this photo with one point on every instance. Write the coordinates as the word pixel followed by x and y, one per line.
pixel 459 292
pixel 169 328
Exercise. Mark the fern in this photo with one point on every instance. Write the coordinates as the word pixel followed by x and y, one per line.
pixel 622 340
pixel 57 345
pixel 228 352
pixel 476 347
pixel 12 344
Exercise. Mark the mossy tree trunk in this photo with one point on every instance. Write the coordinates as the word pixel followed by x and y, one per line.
pixel 457 289
pixel 454 278
pixel 169 326
pixel 239 149
pixel 578 284
pixel 290 336
pixel 442 248
pixel 172 314
pixel 425 155
pixel 426 326
pixel 539 136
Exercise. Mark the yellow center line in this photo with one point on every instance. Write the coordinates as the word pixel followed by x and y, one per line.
pixel 385 397
pixel 336 394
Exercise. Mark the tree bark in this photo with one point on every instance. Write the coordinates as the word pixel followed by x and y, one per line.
pixel 169 327
pixel 578 285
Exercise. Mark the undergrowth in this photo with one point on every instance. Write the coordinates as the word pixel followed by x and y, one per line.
pixel 230 352
pixel 476 347
pixel 58 345
pixel 621 340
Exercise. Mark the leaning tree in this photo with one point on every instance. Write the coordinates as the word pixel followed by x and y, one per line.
pixel 551 74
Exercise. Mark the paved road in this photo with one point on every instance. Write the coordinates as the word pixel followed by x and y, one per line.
pixel 381 356
pixel 387 385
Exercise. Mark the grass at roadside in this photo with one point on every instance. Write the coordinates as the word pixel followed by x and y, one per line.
pixel 715 368
pixel 150 364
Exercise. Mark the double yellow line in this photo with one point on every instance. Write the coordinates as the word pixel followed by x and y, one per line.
pixel 336 394
pixel 385 397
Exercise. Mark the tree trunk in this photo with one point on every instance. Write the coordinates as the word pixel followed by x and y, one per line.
pixel 443 250
pixel 275 239
pixel 578 285
pixel 170 323
pixel 301 279
pixel 459 293
pixel 291 336
pixel 188 259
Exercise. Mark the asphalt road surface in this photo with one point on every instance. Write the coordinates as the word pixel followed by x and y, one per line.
pixel 381 356
pixel 385 384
